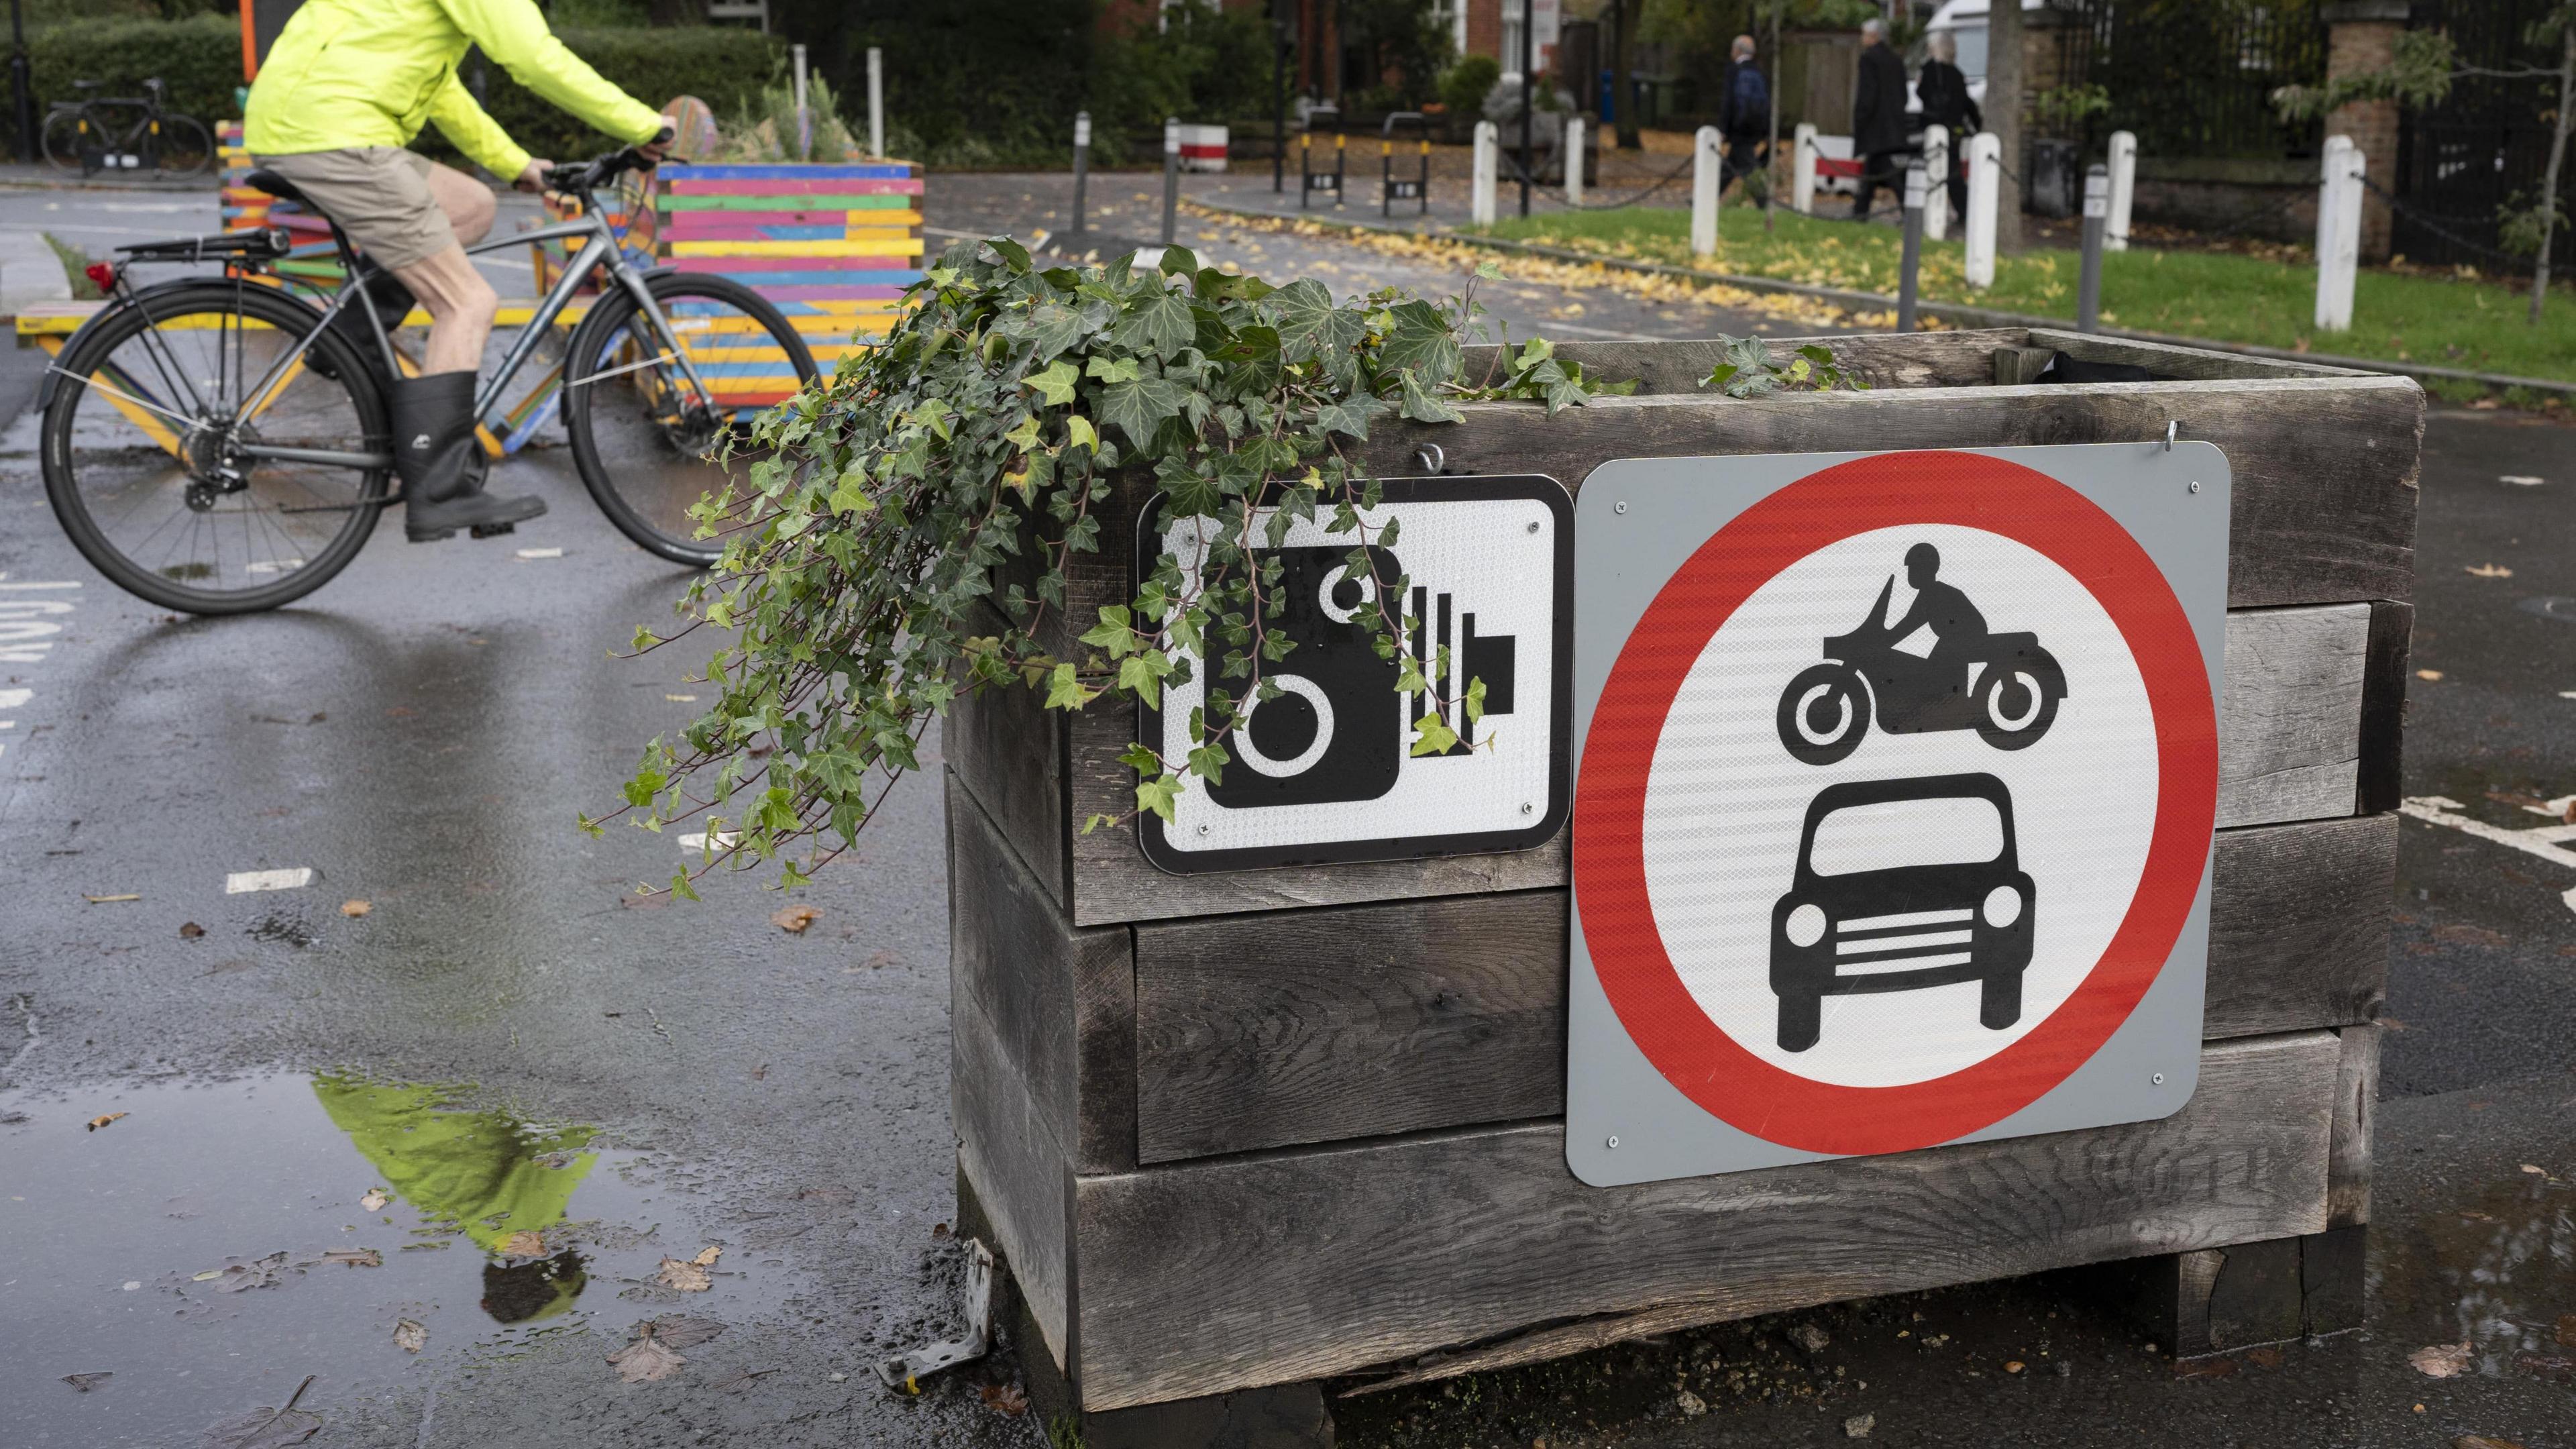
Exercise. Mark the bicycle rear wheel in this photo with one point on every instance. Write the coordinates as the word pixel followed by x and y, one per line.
pixel 64 131
pixel 139 460
pixel 181 146
pixel 643 437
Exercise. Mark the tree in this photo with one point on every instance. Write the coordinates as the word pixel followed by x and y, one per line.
pixel 1623 85
pixel 2420 74
pixel 2003 116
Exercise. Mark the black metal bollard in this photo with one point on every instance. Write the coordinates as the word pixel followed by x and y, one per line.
pixel 1917 187
pixel 2097 213
pixel 1171 176
pixel 1081 165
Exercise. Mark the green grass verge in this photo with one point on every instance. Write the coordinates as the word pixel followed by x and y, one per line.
pixel 74 261
pixel 2230 297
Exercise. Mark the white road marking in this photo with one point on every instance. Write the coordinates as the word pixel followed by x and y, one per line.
pixel 541 553
pixel 2543 842
pixel 2519 480
pixel 57 584
pixel 243 882
pixel 13 698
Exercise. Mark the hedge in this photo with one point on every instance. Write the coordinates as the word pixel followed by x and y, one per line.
pixel 200 59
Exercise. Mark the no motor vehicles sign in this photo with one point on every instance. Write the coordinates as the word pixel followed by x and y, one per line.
pixel 1895 778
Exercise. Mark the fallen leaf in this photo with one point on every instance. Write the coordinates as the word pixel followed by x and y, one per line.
pixel 104 900
pixel 2533 1168
pixel 1008 1401
pixel 2433 675
pixel 375 1199
pixel 2442 1360
pixel 190 930
pixel 2265 1357
pixel 679 1330
pixel 87 1382
pixel 2547 1365
pixel 96 1123
pixel 267 1428
pixel 685 1276
pixel 2469 935
pixel 2013 1367
pixel 2483 1441
pixel 2489 571
pixel 760 1073
pixel 645 1360
pixel 794 919
pixel 2206 1368
pixel 707 1256
pixel 354 1257
pixel 237 1276
pixel 524 1244
pixel 355 909
pixel 1859 1425
pixel 410 1337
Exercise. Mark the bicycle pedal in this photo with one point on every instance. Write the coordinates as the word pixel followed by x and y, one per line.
pixel 441 536
pixel 494 530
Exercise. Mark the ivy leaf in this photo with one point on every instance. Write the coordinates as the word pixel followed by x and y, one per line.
pixel 1421 342
pixel 1010 251
pixel 1422 407
pixel 1208 762
pixel 1159 795
pixel 1079 433
pixel 1114 632
pixel 1351 417
pixel 1475 701
pixel 1253 359
pixel 1055 384
pixel 1139 406
pixel 1112 369
pixel 1310 325
pixel 1025 436
pixel 1065 690
pixel 1142 673
pixel 1432 736
pixel 1161 325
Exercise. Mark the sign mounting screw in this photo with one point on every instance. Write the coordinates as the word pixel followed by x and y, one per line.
pixel 1203 830
pixel 1614 1139
pixel 1619 507
pixel 1527 808
pixel 2159 1079
pixel 1533 525
pixel 2195 487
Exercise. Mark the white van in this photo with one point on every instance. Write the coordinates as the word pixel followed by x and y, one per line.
pixel 1966 22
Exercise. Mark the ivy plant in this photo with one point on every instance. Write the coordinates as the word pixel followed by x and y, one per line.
pixel 907 529
pixel 1746 370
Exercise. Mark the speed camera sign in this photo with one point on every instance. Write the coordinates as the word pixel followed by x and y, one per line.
pixel 1895 782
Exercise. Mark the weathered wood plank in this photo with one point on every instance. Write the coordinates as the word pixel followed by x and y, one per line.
pixel 2298 925
pixel 2192 364
pixel 1062 1002
pixel 2290 727
pixel 1278 1267
pixel 1013 753
pixel 1279 1028
pixel 2356 1107
pixel 1008 1149
pixel 1311 1026
pixel 2289 738
pixel 2324 467
pixel 2383 706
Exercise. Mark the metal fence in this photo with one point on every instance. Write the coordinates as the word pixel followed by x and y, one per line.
pixel 2195 77
pixel 2482 149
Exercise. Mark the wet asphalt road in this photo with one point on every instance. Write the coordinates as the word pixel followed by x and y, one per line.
pixel 646 1083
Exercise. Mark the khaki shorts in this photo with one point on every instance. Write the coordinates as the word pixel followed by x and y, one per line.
pixel 379 195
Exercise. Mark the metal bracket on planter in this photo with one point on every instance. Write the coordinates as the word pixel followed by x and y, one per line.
pixel 983 1294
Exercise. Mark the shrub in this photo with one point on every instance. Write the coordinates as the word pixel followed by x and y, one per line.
pixel 199 58
pixel 724 66
pixel 1464 86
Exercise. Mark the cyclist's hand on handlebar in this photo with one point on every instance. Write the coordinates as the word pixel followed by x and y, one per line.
pixel 533 177
pixel 660 146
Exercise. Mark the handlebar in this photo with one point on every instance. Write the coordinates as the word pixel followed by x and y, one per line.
pixel 580 178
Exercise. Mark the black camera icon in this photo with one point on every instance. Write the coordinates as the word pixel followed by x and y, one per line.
pixel 1338 730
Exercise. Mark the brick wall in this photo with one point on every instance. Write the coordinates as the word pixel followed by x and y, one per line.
pixel 2361 35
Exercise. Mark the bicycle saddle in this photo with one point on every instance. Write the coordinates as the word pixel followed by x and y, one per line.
pixel 281 188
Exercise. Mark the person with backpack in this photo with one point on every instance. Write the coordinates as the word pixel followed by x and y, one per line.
pixel 1744 115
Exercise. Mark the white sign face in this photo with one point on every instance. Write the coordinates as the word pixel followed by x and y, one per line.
pixel 1895 777
pixel 1324 772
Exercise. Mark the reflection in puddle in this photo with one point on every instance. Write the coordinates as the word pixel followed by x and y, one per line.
pixel 2498 1271
pixel 222 1241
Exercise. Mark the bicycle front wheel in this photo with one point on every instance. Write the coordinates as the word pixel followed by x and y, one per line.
pixel 143 438
pixel 64 133
pixel 181 146
pixel 648 442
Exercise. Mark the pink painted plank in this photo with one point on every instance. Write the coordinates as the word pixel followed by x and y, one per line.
pixel 793 264
pixel 795 188
pixel 739 232
pixel 728 223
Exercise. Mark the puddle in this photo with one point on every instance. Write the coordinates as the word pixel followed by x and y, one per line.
pixel 213 1246
pixel 2499 1271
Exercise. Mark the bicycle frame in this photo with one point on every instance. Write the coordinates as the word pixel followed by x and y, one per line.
pixel 599 250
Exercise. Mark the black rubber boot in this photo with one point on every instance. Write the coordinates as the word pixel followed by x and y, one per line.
pixel 393 303
pixel 434 452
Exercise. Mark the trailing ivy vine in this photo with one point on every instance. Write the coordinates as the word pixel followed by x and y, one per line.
pixel 913 518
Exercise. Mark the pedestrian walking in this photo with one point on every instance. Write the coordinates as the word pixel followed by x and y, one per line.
pixel 1943 89
pixel 1745 114
pixel 1878 116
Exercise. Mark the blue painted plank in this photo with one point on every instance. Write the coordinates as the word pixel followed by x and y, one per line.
pixel 800 172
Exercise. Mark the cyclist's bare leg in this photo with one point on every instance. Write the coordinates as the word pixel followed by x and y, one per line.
pixel 461 307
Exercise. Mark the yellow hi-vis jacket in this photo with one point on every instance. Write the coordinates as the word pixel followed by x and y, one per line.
pixel 350 73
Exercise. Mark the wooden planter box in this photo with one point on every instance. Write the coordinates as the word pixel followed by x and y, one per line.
pixel 1221 1161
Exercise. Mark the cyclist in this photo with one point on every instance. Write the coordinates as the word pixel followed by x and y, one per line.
pixel 347 86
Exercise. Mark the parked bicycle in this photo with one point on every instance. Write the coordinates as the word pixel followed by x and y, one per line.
pixel 214 446
pixel 89 135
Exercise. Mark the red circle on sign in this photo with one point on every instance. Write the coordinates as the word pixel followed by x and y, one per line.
pixel 1611 898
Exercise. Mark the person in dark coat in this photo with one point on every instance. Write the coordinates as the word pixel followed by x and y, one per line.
pixel 1943 88
pixel 1878 116
pixel 1744 114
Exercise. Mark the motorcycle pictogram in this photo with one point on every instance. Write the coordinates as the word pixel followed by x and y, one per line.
pixel 2003 686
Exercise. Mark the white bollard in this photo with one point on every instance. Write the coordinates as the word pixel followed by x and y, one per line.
pixel 1802 169
pixel 1707 174
pixel 1574 161
pixel 1985 196
pixel 1489 150
pixel 1936 175
pixel 2338 233
pixel 804 118
pixel 2124 188
pixel 876 101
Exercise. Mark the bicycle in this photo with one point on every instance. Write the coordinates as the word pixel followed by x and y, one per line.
pixel 196 433
pixel 79 136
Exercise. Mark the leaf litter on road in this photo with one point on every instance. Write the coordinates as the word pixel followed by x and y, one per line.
pixel 794 919
pixel 2442 1360
pixel 690 1275
pixel 355 909
pixel 265 1428
pixel 103 1119
pixel 654 1353
pixel 524 1244
pixel 87 1382
pixel 411 1336
pixel 375 1199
